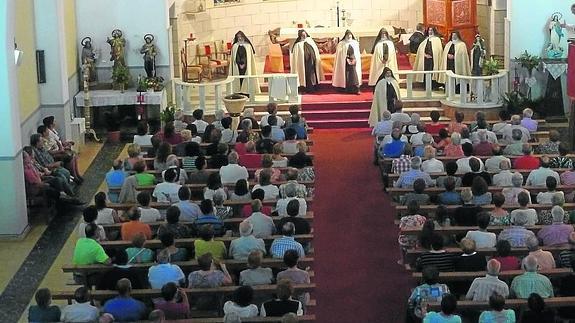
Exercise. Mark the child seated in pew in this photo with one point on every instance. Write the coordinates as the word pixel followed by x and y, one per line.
pixel 106 215
pixel 137 253
pixel 457 125
pixel 411 220
pixel 147 214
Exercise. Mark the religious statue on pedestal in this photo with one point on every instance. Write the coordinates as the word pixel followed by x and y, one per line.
pixel 347 67
pixel 383 55
pixel 455 57
pixel 478 53
pixel 554 49
pixel 117 44
pixel 306 62
pixel 88 60
pixel 243 60
pixel 150 51
pixel 429 56
pixel 385 95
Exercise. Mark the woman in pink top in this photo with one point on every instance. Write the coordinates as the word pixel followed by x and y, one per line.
pixel 454 149
pixel 267 163
pixel 507 262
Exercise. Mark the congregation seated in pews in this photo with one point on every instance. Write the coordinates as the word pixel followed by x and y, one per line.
pixel 484 222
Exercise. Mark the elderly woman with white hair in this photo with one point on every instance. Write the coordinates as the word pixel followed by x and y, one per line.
pixel 412 126
pixel 249 114
pixel 218 116
pixel 527 120
pixel 241 247
pixel 511 193
pixel 515 124
pixel 426 141
pixel 454 149
pixel 556 233
pixel 546 216
pixel 290 191
pixel 431 164
pixel 246 132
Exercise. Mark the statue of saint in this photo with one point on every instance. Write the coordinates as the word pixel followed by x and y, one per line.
pixel 478 53
pixel 150 51
pixel 89 59
pixel 117 44
pixel 554 49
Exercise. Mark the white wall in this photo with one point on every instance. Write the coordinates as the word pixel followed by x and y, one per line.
pixel 135 18
pixel 255 17
pixel 528 24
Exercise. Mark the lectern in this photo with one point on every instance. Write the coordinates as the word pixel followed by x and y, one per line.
pixel 450 15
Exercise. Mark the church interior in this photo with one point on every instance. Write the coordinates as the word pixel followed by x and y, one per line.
pixel 266 160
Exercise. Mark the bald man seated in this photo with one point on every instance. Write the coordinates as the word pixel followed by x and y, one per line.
pixel 531 281
pixel 483 287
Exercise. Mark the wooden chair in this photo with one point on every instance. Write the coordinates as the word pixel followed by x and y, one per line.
pixel 190 73
pixel 223 50
pixel 206 57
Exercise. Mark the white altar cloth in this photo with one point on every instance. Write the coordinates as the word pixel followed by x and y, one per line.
pixel 101 98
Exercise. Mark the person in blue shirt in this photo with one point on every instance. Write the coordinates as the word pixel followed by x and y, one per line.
pixel 115 179
pixel 43 311
pixel 208 217
pixel 277 132
pixel 395 148
pixel 123 307
pixel 450 196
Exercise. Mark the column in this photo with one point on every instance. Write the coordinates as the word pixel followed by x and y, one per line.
pixel 13 213
pixel 57 93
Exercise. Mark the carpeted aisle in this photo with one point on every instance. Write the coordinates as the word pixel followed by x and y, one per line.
pixel 355 240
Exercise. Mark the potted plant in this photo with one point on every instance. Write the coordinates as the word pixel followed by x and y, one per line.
pixel 155 83
pixel 168 114
pixel 514 102
pixel 142 85
pixel 490 67
pixel 113 126
pixel 121 77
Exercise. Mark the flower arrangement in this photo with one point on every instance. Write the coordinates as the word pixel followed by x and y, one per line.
pixel 528 61
pixel 156 83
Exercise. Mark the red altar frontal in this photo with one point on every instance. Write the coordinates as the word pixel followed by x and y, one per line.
pixel 571 72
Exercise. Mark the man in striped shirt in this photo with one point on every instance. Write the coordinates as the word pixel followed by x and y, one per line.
pixel 483 287
pixel 437 257
pixel 286 242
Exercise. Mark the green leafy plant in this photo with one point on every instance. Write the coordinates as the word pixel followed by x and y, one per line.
pixel 514 102
pixel 490 66
pixel 168 114
pixel 156 83
pixel 121 76
pixel 528 61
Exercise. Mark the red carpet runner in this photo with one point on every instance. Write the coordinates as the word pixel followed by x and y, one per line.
pixel 355 240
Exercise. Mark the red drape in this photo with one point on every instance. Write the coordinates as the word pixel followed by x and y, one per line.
pixel 571 72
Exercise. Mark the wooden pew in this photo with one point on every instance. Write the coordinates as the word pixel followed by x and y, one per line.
pixel 163 206
pixel 258 319
pixel 150 161
pixel 552 302
pixel 187 266
pixel 200 187
pixel 191 292
pixel 231 222
pixel 204 145
pixel 445 159
pixel 394 191
pixel 454 230
pixel 414 253
pixel 510 274
pixel 431 208
pixel 189 242
pixel 251 171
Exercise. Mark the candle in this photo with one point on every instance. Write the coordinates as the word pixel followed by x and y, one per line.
pixel 300 25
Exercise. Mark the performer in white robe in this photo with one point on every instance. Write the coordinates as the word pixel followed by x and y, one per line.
pixel 382 55
pixel 347 67
pixel 429 55
pixel 385 95
pixel 306 62
pixel 455 57
pixel 243 63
